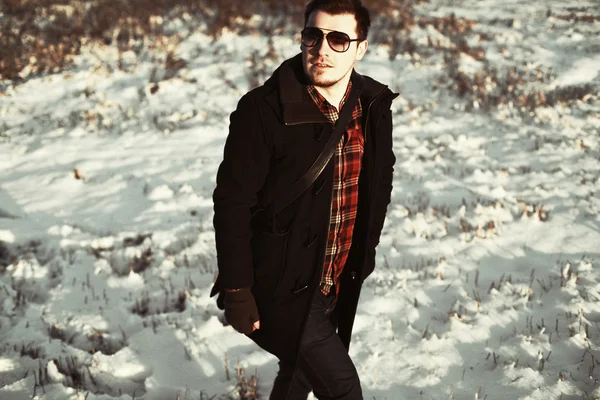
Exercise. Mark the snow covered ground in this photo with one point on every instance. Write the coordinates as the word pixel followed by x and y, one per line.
pixel 487 282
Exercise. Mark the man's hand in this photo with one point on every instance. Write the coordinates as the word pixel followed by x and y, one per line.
pixel 241 311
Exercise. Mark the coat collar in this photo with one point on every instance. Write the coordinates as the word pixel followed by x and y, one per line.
pixel 294 102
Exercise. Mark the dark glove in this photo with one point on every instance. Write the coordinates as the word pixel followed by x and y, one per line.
pixel 241 311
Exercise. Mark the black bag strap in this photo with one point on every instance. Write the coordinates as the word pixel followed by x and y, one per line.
pixel 285 197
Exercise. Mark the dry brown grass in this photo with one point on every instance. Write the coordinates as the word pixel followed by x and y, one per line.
pixel 42 36
pixel 246 387
pixel 516 88
pixel 7 256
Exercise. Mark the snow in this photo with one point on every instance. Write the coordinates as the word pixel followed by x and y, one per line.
pixel 487 282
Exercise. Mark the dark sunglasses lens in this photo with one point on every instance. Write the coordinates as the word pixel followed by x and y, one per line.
pixel 311 36
pixel 338 41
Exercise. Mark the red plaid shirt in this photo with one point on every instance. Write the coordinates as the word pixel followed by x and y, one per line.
pixel 344 203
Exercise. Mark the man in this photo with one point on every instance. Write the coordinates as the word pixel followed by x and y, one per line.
pixel 289 280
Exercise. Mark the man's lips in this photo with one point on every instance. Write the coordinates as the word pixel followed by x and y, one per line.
pixel 321 65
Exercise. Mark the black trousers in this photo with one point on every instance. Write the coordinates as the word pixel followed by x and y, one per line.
pixel 324 365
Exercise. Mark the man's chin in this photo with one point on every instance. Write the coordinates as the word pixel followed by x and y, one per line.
pixel 322 81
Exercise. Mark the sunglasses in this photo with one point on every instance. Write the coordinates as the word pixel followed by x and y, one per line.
pixel 338 41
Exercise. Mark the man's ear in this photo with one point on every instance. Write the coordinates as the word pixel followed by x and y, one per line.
pixel 361 49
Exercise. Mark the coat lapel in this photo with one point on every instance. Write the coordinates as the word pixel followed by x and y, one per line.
pixel 290 100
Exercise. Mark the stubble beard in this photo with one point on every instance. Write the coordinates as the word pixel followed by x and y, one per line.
pixel 318 79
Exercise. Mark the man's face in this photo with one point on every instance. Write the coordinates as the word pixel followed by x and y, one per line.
pixel 323 66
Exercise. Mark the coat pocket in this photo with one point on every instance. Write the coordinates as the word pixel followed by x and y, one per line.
pixel 270 250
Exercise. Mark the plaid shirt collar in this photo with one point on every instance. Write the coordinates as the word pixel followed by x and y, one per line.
pixel 331 113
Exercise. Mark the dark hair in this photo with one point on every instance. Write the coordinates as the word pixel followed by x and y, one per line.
pixel 336 7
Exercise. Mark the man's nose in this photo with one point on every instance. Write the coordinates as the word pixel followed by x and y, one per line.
pixel 323 47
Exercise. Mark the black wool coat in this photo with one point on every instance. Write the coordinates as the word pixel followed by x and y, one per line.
pixel 275 135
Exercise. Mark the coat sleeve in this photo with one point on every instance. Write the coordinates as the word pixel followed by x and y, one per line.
pixel 384 191
pixel 387 174
pixel 240 177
